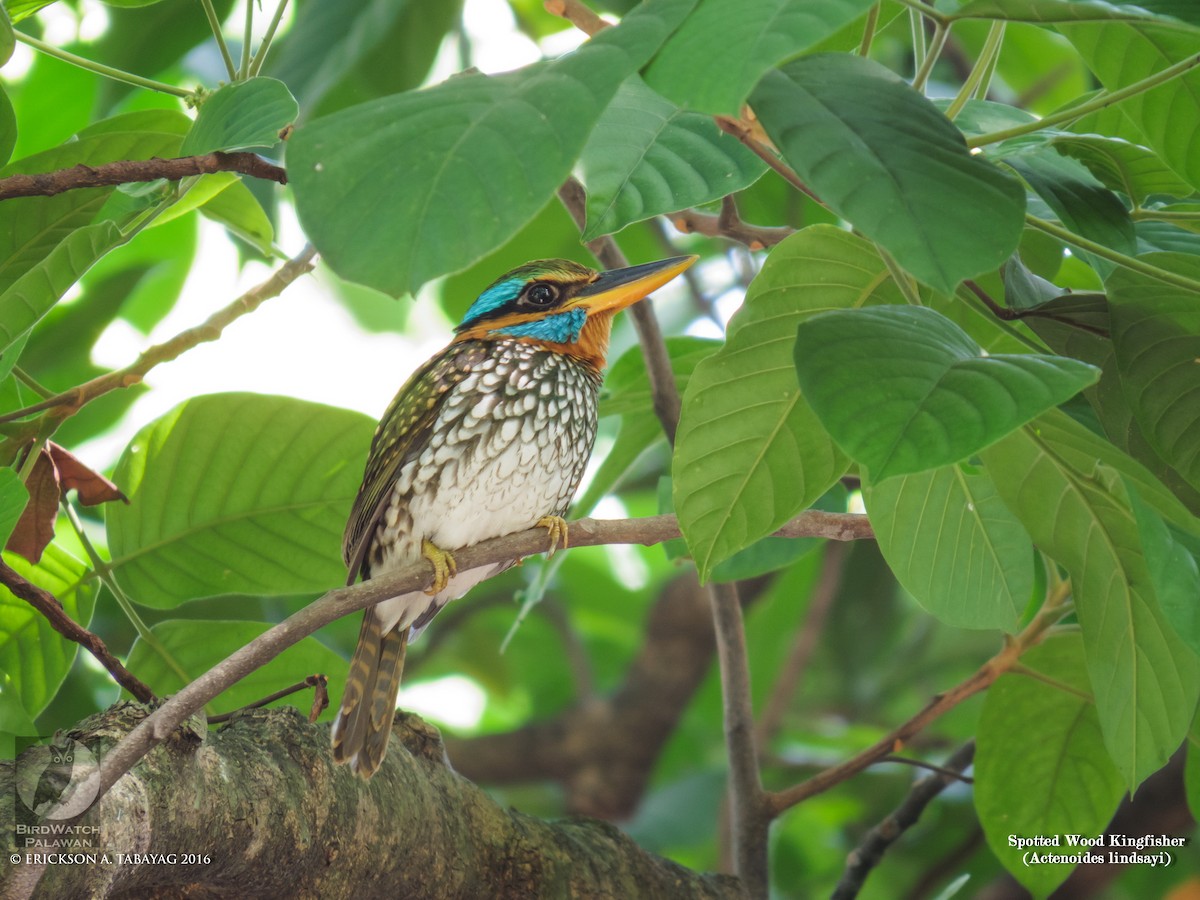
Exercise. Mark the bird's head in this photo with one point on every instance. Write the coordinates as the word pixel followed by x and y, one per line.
pixel 563 305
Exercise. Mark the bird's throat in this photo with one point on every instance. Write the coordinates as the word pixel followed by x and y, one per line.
pixel 592 347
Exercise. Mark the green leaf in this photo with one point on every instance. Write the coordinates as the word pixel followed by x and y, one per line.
pixel 1191 771
pixel 8 127
pixel 750 453
pixel 648 157
pixel 1146 681
pixel 1163 236
pixel 236 493
pixel 199 644
pixel 1054 10
pixel 1040 769
pixel 903 389
pixel 1168 115
pixel 238 210
pixel 1084 205
pixel 1172 569
pixel 39 288
pixel 34 654
pixel 23 9
pixel 1122 166
pixel 954 546
pixel 748 38
pixel 241 116
pixel 7 41
pixel 13 497
pixel 885 159
pixel 1156 332
pixel 337 54
pixel 481 156
pixel 37 225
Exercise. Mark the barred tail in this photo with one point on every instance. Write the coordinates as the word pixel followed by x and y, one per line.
pixel 364 722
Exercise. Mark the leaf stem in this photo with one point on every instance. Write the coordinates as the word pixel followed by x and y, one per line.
pixel 864 46
pixel 244 68
pixel 260 57
pixel 1129 262
pixel 1100 101
pixel 104 572
pixel 925 10
pixel 916 27
pixel 903 279
pixel 32 383
pixel 215 24
pixel 1165 215
pixel 101 69
pixel 940 33
pixel 984 65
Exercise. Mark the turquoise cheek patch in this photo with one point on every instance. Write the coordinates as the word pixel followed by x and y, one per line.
pixel 560 328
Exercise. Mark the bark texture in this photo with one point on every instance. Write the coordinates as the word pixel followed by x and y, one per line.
pixel 260 795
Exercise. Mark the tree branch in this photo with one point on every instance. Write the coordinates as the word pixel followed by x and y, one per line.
pixel 756 237
pixel 747 802
pixel 419 576
pixel 49 606
pixel 870 851
pixel 309 828
pixel 74 399
pixel 125 171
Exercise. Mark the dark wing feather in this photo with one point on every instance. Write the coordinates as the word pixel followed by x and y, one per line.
pixel 402 434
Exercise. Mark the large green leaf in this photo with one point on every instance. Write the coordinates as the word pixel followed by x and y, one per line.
pixel 903 389
pixel 1146 681
pixel 480 156
pixel 196 645
pixel 748 38
pixel 1055 10
pixel 236 493
pixel 8 127
pixel 648 157
pixel 750 453
pixel 34 654
pixel 1084 205
pixel 238 209
pixel 13 497
pixel 241 116
pixel 33 294
pixel 1168 115
pixel 7 41
pixel 1173 570
pixel 1122 166
pixel 884 158
pixel 1040 769
pixel 954 546
pixel 1156 332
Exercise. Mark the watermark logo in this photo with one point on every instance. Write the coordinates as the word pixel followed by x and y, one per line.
pixel 53 782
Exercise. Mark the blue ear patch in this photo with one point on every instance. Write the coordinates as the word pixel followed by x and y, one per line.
pixel 560 328
pixel 493 298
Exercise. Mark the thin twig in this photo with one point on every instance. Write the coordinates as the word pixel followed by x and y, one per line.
pixel 126 171
pixel 984 676
pixel 766 154
pixel 756 237
pixel 868 854
pixel 50 607
pixel 747 801
pixel 210 330
pixel 792 674
pixel 578 14
pixel 1008 314
pixel 663 391
pixel 418 576
pixel 312 681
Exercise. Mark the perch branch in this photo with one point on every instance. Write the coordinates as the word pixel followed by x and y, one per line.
pixel 125 171
pixel 343 601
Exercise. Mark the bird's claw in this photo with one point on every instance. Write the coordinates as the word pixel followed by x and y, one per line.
pixel 444 566
pixel 557 527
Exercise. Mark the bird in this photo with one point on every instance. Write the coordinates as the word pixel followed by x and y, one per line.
pixel 488 437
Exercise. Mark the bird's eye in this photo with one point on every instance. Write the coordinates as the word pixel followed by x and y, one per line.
pixel 542 294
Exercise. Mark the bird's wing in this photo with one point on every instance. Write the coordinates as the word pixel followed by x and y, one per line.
pixel 402 434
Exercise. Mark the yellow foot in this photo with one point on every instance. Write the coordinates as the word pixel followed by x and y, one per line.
pixel 557 526
pixel 444 567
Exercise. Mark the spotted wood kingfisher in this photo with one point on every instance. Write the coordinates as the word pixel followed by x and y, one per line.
pixel 489 437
